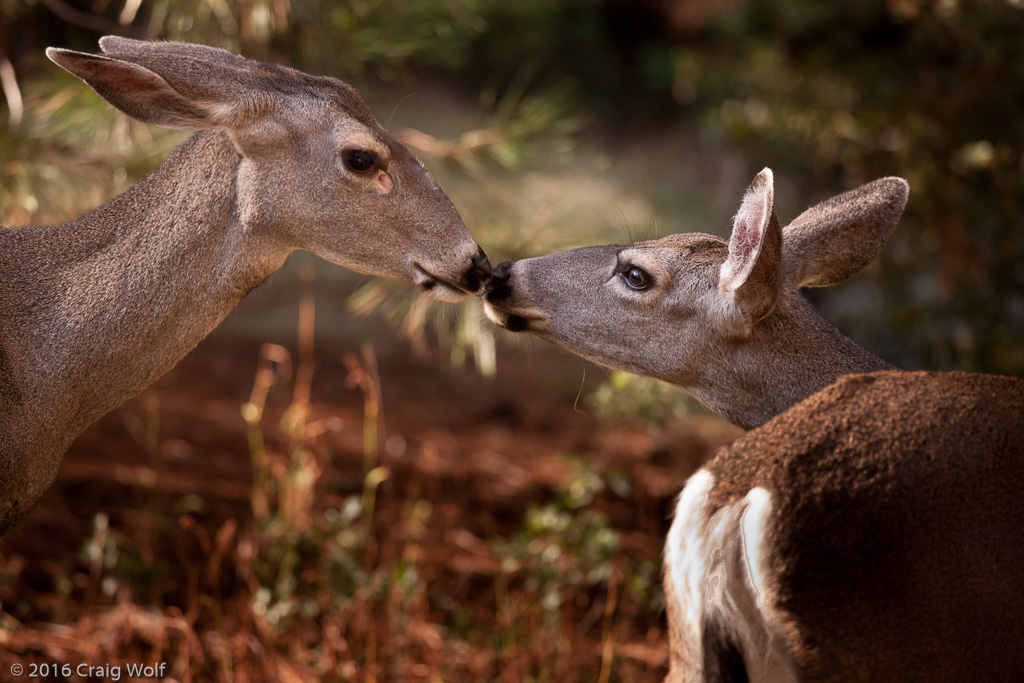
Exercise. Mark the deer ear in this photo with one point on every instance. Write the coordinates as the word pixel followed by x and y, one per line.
pixel 135 90
pixel 751 275
pixel 835 239
pixel 172 85
pixel 139 51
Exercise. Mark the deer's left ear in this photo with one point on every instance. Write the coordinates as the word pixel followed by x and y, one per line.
pixel 137 91
pixel 172 85
pixel 836 239
pixel 751 275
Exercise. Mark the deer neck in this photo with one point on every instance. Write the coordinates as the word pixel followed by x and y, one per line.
pixel 790 355
pixel 99 307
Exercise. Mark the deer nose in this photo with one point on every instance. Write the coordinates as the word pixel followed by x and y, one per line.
pixel 481 265
pixel 498 288
pixel 479 272
pixel 501 274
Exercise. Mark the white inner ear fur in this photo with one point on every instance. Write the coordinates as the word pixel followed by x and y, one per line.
pixel 747 234
pixel 744 248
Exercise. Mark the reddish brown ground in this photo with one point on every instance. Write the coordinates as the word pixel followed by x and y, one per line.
pixel 175 574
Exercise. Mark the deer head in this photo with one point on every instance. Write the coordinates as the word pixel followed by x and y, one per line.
pixel 722 319
pixel 317 171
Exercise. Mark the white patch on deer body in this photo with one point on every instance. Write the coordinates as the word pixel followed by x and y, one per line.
pixel 767 658
pixel 684 551
pixel 718 572
pixel 701 554
pixel 752 527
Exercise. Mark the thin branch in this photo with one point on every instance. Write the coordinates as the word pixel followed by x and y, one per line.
pixel 9 83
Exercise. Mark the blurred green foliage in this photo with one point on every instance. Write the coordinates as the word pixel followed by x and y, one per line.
pixel 835 94
pixel 829 95
pixel 566 547
pixel 626 397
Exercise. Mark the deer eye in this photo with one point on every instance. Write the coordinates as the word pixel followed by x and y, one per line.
pixel 637 278
pixel 359 160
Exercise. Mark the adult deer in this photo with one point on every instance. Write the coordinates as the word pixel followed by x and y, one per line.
pixel 94 310
pixel 870 532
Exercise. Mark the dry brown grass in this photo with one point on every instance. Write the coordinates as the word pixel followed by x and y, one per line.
pixel 412 525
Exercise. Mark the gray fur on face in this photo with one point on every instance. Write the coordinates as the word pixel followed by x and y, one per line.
pixel 723 320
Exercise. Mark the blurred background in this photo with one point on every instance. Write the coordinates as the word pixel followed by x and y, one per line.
pixel 349 482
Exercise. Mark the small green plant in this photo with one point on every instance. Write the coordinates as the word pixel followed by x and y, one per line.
pixel 633 399
pixel 567 558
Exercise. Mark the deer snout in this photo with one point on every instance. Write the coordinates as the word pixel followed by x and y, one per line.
pixel 479 273
pixel 500 303
pixel 450 282
pixel 498 289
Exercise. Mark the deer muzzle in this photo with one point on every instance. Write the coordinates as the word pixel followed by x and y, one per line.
pixel 500 301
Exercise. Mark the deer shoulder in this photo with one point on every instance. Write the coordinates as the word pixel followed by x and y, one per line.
pixel 871 532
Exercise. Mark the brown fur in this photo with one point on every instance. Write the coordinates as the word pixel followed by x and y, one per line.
pixel 93 310
pixel 895 545
pixel 883 541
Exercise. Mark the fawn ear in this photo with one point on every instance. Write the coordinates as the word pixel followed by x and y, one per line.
pixel 751 275
pixel 835 239
pixel 172 85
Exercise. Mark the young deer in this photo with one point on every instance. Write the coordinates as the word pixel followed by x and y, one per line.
pixel 870 532
pixel 94 310
pixel 724 321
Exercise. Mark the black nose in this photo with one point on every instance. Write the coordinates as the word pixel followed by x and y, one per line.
pixel 499 288
pixel 479 272
pixel 501 274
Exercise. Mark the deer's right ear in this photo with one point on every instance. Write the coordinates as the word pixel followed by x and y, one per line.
pixel 137 91
pixel 751 275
